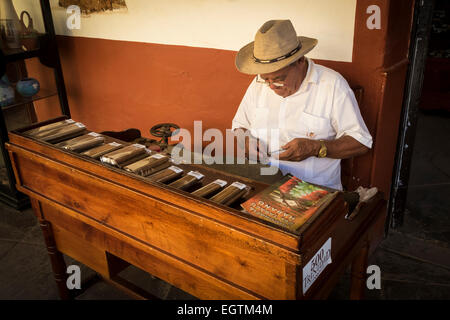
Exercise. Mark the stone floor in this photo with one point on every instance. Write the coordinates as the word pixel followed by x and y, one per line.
pixel 414 259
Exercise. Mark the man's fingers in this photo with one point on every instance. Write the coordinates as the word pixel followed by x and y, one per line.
pixel 286 154
pixel 290 144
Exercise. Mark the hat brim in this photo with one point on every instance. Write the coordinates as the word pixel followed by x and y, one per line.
pixel 245 62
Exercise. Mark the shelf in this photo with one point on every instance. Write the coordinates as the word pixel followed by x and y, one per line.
pixel 43 48
pixel 42 94
pixel 11 55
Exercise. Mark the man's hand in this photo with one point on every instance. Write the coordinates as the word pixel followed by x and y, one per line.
pixel 299 149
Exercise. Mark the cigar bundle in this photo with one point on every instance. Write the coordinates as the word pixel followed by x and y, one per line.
pixel 188 180
pixel 231 193
pixel 210 188
pixel 150 171
pixel 99 151
pixel 165 175
pixel 149 165
pixel 56 125
pixel 61 133
pixel 126 155
pixel 83 142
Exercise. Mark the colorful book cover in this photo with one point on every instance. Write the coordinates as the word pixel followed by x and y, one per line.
pixel 289 202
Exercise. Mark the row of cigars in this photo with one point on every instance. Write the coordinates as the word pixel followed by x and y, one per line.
pixel 136 159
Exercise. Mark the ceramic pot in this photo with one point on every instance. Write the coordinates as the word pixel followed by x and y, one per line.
pixel 28 87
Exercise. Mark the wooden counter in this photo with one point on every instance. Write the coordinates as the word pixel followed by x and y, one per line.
pixel 107 218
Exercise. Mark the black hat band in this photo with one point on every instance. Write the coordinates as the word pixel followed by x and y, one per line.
pixel 279 58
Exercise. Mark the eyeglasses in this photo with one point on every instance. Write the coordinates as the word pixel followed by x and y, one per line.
pixel 259 79
pixel 280 79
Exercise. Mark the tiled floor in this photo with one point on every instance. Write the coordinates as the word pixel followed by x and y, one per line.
pixel 414 259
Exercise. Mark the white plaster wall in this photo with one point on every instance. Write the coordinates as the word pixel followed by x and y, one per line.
pixel 221 24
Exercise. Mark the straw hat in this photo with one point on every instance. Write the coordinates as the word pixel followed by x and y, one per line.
pixel 276 45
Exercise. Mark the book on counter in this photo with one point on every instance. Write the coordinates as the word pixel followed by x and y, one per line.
pixel 289 202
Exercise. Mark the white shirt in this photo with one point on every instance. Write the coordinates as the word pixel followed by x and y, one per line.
pixel 324 107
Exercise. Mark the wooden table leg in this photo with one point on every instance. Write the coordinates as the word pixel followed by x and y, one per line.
pixel 56 257
pixel 359 274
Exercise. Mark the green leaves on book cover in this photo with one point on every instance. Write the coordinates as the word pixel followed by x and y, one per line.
pixel 289 203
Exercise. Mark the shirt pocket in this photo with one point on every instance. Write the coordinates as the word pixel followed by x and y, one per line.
pixel 312 127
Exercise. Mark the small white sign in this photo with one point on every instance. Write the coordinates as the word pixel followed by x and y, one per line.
pixel 316 265
pixel 220 182
pixel 175 169
pixel 196 174
pixel 238 185
pixel 157 156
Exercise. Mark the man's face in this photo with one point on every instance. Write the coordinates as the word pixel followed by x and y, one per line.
pixel 288 76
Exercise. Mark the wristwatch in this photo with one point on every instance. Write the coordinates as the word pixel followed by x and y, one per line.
pixel 323 150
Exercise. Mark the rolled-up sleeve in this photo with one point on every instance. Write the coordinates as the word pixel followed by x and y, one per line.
pixel 346 116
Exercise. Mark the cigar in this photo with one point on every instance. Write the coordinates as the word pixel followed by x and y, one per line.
pixel 83 142
pixel 61 133
pixel 72 141
pixel 122 156
pixel 143 166
pixel 153 170
pixel 51 126
pixel 210 188
pixel 166 175
pixel 134 159
pixel 99 151
pixel 231 193
pixel 188 180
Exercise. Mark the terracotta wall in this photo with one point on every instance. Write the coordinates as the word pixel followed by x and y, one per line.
pixel 115 85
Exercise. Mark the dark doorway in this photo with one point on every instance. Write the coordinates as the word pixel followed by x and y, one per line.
pixel 420 194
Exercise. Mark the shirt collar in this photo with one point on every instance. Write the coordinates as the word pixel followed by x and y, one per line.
pixel 311 73
pixel 311 77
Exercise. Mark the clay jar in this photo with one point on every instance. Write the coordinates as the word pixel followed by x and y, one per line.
pixel 28 87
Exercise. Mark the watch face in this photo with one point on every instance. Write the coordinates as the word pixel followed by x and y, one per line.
pixel 323 152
